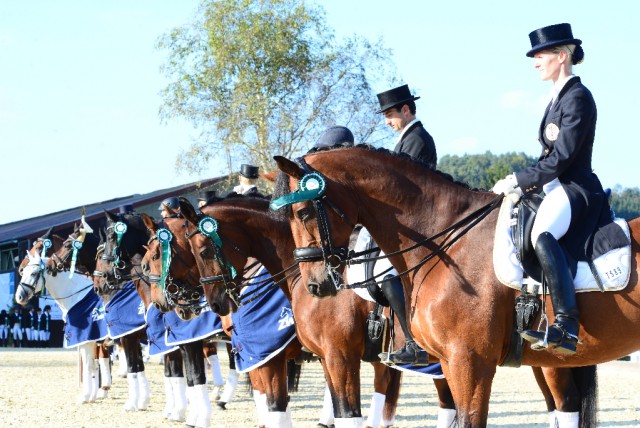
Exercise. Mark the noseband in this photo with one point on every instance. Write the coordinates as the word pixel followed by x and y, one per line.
pixel 119 228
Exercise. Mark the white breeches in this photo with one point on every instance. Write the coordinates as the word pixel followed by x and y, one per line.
pixel 554 214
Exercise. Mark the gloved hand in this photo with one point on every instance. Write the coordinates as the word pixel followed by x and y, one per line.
pixel 509 187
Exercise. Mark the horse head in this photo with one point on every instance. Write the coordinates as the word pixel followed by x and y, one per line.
pixel 32 267
pixel 217 264
pixel 125 237
pixel 321 225
pixel 172 269
pixel 69 255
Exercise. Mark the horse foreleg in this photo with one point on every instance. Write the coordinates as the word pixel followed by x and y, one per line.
pixel 343 377
pixel 175 387
pixel 89 373
pixel 104 362
pixel 446 405
pixel 139 396
pixel 231 384
pixel 568 398
pixel 273 375
pixel 381 380
pixel 259 397
pixel 470 378
pixel 199 406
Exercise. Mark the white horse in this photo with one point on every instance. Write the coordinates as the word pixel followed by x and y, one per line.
pixel 67 293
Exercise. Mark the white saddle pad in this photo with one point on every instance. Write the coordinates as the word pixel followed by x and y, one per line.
pixel 613 267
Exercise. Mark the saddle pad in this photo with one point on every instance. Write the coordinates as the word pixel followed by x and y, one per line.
pixel 85 321
pixel 155 332
pixel 204 325
pixel 262 328
pixel 613 267
pixel 433 371
pixel 124 313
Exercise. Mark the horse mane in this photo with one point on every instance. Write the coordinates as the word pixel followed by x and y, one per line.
pixel 282 180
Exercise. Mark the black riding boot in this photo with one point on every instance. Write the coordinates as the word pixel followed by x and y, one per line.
pixel 563 334
pixel 410 353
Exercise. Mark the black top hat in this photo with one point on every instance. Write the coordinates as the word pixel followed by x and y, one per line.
pixel 551 36
pixel 207 195
pixel 335 135
pixel 249 171
pixel 395 96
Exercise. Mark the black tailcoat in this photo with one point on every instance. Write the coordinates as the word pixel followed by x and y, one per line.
pixel 417 143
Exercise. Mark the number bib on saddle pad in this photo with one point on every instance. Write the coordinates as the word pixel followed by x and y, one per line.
pixel 613 267
pixel 85 321
pixel 125 312
pixel 263 327
pixel 204 325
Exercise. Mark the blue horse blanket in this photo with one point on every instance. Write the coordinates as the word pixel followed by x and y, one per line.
pixel 85 321
pixel 156 331
pixel 262 328
pixel 432 370
pixel 200 327
pixel 125 312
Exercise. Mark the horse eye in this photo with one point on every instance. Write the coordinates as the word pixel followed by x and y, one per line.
pixel 304 214
pixel 154 257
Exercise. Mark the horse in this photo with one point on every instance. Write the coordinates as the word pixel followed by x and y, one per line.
pixel 67 293
pixel 79 251
pixel 246 229
pixel 459 312
pixel 269 378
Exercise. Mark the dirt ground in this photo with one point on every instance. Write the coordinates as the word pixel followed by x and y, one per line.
pixel 39 388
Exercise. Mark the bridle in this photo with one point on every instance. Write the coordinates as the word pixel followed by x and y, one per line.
pixel 312 187
pixel 173 290
pixel 60 263
pixel 119 228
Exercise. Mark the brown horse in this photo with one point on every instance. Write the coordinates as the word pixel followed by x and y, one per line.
pixel 246 229
pixel 271 377
pixel 458 310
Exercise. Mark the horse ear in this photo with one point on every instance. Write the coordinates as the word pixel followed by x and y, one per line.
pixel 111 217
pixel 76 228
pixel 187 210
pixel 47 235
pixel 289 167
pixel 270 176
pixel 148 221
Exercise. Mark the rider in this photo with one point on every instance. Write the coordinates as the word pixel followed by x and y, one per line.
pixel 399 109
pixel 248 179
pixel 169 207
pixel 573 193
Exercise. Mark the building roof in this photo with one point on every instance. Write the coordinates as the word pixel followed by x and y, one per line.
pixel 37 226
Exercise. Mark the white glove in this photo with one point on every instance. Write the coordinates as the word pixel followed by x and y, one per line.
pixel 509 187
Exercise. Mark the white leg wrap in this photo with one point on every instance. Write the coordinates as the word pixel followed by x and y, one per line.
pixel 552 419
pixel 216 374
pixel 230 386
pixel 122 363
pixel 261 407
pixel 348 422
pixel 279 420
pixel 375 411
pixel 143 390
pixel 179 388
pixel 105 371
pixel 326 415
pixel 168 398
pixel 192 411
pixel 201 400
pixel 134 392
pixel 568 419
pixel 388 423
pixel 446 417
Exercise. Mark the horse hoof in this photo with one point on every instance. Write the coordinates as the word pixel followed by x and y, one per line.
pixel 129 407
pixel 222 405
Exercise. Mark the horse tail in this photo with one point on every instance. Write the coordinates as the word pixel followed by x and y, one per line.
pixel 586 381
pixel 293 375
pixel 392 395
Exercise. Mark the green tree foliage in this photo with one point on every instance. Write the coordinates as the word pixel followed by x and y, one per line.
pixel 483 170
pixel 626 202
pixel 261 78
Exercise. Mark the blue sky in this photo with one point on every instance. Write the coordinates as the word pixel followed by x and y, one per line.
pixel 79 87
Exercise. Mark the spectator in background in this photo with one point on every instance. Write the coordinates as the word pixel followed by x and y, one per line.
pixel 45 326
pixel 206 198
pixel 15 322
pixel 248 177
pixel 4 328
